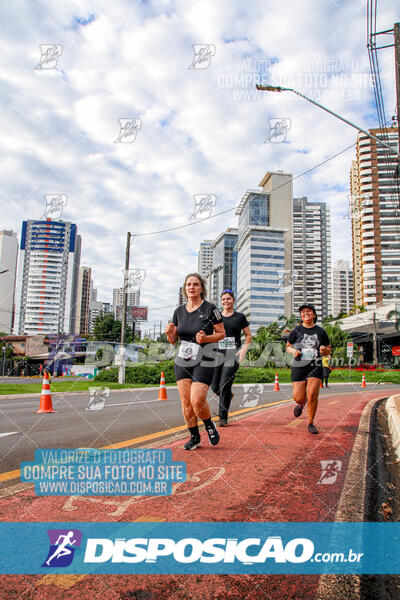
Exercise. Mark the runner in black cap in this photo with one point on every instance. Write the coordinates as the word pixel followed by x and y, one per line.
pixel 307 342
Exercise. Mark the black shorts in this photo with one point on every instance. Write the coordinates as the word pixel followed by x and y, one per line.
pixel 303 373
pixel 197 372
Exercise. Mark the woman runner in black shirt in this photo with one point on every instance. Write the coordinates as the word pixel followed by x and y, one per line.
pixel 198 325
pixel 233 353
pixel 307 342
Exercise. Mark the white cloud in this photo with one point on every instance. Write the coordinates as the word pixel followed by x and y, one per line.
pixel 203 130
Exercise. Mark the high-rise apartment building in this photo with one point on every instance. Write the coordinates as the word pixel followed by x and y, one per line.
pixel 223 272
pixel 47 279
pixel 133 298
pixel 375 219
pixel 82 319
pixel 265 250
pixel 8 267
pixel 342 288
pixel 312 255
pixel 205 254
pixel 180 297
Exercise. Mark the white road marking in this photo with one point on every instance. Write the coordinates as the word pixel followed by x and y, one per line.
pixel 9 433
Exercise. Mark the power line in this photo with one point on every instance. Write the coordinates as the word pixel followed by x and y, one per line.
pixel 235 207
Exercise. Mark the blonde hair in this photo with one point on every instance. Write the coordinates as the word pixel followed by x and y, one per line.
pixel 203 285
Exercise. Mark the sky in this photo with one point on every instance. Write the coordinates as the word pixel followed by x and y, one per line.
pixel 127 110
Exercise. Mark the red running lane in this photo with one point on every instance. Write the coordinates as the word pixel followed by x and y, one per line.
pixel 266 468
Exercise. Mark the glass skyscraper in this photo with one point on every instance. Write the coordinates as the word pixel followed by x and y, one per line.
pixel 261 261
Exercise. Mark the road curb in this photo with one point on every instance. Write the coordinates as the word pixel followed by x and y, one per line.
pixel 351 508
pixel 393 414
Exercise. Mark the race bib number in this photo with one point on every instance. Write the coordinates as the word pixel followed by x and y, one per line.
pixel 309 353
pixel 227 343
pixel 188 350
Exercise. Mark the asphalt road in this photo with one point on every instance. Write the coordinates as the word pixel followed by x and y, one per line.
pixel 126 415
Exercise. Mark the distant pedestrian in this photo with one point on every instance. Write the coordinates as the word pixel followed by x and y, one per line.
pixel 198 325
pixel 326 369
pixel 233 352
pixel 307 343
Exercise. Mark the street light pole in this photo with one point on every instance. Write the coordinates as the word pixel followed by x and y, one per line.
pixel 4 358
pixel 276 88
pixel 121 368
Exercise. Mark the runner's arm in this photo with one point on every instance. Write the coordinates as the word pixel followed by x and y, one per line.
pixel 292 350
pixel 219 334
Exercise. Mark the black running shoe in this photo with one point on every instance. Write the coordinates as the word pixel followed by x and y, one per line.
pixel 223 422
pixel 311 428
pixel 297 410
pixel 213 435
pixel 193 443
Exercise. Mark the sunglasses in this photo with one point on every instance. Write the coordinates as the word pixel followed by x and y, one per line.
pixel 229 291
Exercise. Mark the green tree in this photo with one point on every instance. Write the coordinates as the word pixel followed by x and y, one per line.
pixel 109 329
pixel 338 339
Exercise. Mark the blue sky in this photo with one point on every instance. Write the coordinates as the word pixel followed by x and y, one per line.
pixel 202 130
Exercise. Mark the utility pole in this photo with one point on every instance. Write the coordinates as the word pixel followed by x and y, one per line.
pixel 396 31
pixel 374 340
pixel 121 369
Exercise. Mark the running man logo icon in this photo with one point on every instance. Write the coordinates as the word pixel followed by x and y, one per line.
pixel 55 204
pixel 330 471
pixel 203 205
pixel 98 397
pixel 128 129
pixel 278 130
pixel 251 395
pixel 203 54
pixel 50 54
pixel 63 543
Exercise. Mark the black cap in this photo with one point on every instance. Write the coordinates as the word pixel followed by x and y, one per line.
pixel 311 307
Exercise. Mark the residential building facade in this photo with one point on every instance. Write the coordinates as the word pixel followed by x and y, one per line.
pixel 312 255
pixel 8 268
pixel 375 224
pixel 204 260
pixel 342 288
pixel 223 272
pixel 47 278
pixel 82 319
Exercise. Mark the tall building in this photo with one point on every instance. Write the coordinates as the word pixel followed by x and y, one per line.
pixel 375 219
pixel 205 254
pixel 180 297
pixel 223 272
pixel 47 279
pixel 82 319
pixel 8 267
pixel 265 250
pixel 133 298
pixel 342 288
pixel 312 255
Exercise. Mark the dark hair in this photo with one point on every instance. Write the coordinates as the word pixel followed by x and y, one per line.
pixel 228 292
pixel 203 285
pixel 311 307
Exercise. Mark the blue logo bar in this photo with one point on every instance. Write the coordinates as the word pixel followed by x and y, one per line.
pixel 236 548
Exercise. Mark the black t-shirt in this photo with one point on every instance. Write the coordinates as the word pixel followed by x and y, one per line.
pixel 234 324
pixel 308 340
pixel 190 323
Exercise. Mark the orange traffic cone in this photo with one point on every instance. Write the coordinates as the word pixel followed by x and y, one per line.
pixel 363 384
pixel 321 386
pixel 45 404
pixel 276 384
pixel 162 392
